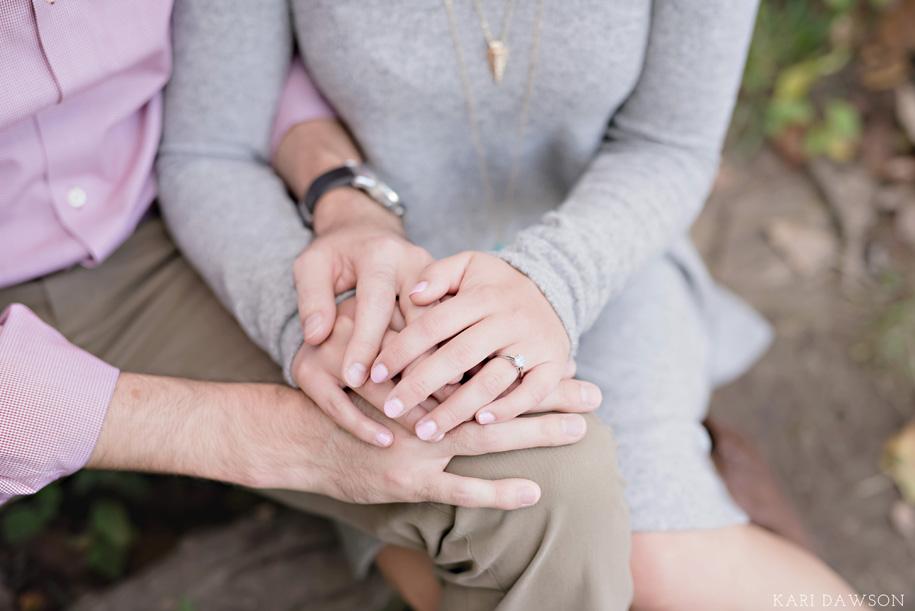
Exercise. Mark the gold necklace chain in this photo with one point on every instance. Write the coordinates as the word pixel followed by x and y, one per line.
pixel 496 50
pixel 485 24
pixel 474 125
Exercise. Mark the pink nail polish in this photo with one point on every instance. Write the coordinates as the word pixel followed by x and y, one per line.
pixel 528 496
pixel 419 288
pixel 383 439
pixel 313 324
pixel 485 417
pixel 439 438
pixel 393 408
pixel 379 374
pixel 426 430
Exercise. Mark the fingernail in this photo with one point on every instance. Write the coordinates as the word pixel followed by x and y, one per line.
pixel 426 430
pixel 393 408
pixel 528 496
pixel 590 394
pixel 383 439
pixel 439 438
pixel 355 375
pixel 313 324
pixel 379 374
pixel 573 426
pixel 419 288
pixel 485 417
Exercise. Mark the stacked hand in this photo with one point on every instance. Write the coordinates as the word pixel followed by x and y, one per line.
pixel 433 322
pixel 412 470
pixel 496 310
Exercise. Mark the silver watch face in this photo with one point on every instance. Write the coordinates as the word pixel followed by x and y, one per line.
pixel 367 181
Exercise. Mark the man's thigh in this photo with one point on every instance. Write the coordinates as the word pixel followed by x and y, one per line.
pixel 145 310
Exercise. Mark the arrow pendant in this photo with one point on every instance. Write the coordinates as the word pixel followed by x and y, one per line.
pixel 497 54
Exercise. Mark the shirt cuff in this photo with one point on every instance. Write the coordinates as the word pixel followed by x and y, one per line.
pixel 53 400
pixel 300 102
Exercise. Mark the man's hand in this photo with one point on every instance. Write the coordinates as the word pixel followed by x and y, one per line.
pixel 273 436
pixel 367 252
pixel 410 470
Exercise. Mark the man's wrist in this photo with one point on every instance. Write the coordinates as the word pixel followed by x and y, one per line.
pixel 347 205
pixel 256 435
pixel 280 441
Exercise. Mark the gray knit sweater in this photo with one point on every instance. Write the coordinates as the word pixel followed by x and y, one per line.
pixel 630 105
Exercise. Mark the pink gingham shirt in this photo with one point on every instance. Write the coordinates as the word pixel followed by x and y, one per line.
pixel 80 120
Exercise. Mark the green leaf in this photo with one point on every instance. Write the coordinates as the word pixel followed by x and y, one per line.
pixel 794 82
pixel 47 501
pixel 21 523
pixel 106 559
pixel 185 604
pixel 109 521
pixel 842 6
pixel 786 113
pixel 843 119
pixel 132 486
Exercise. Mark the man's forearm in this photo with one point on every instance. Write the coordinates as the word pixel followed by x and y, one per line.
pixel 204 429
pixel 309 149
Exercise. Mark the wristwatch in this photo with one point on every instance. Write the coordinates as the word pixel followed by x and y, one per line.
pixel 352 174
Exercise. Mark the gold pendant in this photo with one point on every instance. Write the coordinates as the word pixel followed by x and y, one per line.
pixel 497 54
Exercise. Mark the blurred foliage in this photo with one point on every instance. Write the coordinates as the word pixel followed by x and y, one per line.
pixel 894 337
pixel 805 59
pixel 108 533
pixel 24 520
pixel 898 461
pixel 185 604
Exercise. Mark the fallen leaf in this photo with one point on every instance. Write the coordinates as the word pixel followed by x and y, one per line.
pixel 899 169
pixel 807 249
pixel 33 600
pixel 898 461
pixel 905 109
pixel 885 59
pixel 902 517
pixel 893 198
pixel 790 145
pixel 849 191
pixel 905 224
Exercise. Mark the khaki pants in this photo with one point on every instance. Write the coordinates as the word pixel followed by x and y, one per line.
pixel 146 311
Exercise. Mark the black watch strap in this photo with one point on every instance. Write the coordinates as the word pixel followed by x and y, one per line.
pixel 338 177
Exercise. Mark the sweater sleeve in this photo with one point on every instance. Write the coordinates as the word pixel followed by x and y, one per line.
pixel 224 205
pixel 654 170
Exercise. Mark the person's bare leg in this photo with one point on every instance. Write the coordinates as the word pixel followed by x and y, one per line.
pixel 412 574
pixel 733 568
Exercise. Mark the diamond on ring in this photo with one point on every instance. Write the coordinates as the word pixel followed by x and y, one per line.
pixel 517 360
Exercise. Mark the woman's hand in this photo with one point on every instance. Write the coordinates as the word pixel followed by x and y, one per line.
pixel 496 310
pixel 363 248
pixel 315 370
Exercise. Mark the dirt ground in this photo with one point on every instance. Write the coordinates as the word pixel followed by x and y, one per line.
pixel 819 411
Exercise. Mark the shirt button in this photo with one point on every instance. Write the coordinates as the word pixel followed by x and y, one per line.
pixel 49 1
pixel 76 197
